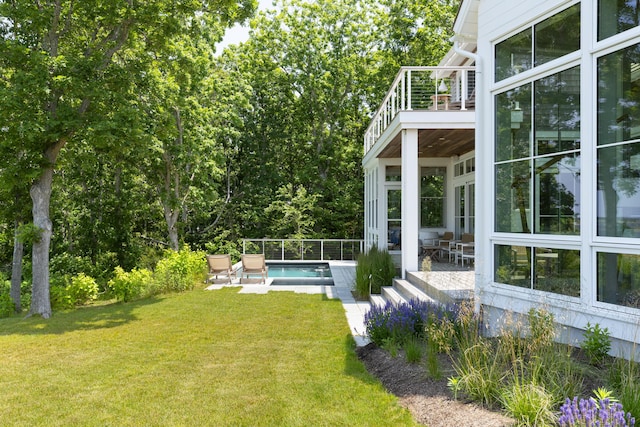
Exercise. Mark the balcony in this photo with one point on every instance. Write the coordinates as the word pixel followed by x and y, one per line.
pixel 430 91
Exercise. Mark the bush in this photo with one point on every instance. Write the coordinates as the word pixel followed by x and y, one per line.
pixel 129 286
pixel 67 292
pixel 375 269
pixel 7 307
pixel 179 271
pixel 596 344
pixel 403 321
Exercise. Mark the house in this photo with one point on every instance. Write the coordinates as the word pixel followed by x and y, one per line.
pixel 542 164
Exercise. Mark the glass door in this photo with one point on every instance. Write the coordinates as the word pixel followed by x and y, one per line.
pixel 464 219
pixel 394 218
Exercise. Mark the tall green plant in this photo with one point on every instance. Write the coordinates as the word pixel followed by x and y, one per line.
pixel 374 270
pixel 180 271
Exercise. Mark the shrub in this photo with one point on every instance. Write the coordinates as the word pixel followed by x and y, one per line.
pixel 179 271
pixel 589 412
pixel 7 307
pixel 67 292
pixel 596 343
pixel 129 286
pixel 403 321
pixel 82 289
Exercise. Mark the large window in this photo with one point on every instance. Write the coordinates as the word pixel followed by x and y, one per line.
pixel 432 196
pixel 538 156
pixel 616 16
pixel 618 279
pixel 550 39
pixel 618 201
pixel 543 269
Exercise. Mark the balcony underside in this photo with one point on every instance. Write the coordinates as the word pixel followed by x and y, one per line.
pixel 440 134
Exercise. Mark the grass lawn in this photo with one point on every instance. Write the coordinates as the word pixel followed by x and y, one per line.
pixel 199 358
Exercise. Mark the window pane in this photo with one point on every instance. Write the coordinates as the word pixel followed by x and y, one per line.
pixel 616 16
pixel 513 181
pixel 513 55
pixel 618 279
pixel 619 191
pixel 513 124
pixel 513 265
pixel 557 271
pixel 557 192
pixel 619 96
pixel 557 36
pixel 557 112
pixel 432 196
pixel 393 173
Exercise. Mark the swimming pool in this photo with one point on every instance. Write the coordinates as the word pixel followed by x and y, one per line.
pixel 302 273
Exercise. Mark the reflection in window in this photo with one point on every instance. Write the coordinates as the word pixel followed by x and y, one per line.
pixel 513 184
pixel 557 112
pixel 618 279
pixel 557 36
pixel 513 124
pixel 554 37
pixel 513 55
pixel 619 96
pixel 513 265
pixel 557 192
pixel 543 269
pixel 432 196
pixel 616 16
pixel 557 271
pixel 619 190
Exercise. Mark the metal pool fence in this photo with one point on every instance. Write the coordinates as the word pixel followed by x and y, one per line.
pixel 305 249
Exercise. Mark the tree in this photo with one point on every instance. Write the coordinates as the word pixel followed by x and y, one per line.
pixel 60 58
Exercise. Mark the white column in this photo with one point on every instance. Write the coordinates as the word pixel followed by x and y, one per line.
pixel 410 201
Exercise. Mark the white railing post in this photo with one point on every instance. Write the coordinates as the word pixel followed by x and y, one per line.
pixel 409 105
pixel 463 90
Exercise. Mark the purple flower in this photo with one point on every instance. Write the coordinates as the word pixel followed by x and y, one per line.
pixel 588 413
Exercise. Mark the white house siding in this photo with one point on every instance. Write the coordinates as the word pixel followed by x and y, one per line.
pixel 498 20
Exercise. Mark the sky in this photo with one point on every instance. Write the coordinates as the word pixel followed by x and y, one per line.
pixel 240 33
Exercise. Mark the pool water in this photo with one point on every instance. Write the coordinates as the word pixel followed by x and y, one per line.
pixel 300 273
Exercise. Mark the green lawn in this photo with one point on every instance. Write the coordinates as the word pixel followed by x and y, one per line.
pixel 199 358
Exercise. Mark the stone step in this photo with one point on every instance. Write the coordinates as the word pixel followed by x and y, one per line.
pixel 409 291
pixel 444 287
pixel 390 294
pixel 378 300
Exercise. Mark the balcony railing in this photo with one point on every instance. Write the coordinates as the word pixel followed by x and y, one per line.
pixel 304 249
pixel 423 88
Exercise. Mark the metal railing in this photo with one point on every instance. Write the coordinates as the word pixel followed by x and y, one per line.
pixel 422 88
pixel 305 249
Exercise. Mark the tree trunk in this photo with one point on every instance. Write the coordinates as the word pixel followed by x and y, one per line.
pixel 41 197
pixel 16 271
pixel 171 216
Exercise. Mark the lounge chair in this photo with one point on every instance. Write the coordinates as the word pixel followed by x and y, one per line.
pixel 254 264
pixel 220 265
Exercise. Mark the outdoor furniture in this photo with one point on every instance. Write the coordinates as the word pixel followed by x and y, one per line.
pixel 254 264
pixel 432 251
pixel 465 248
pixel 220 265
pixel 444 242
